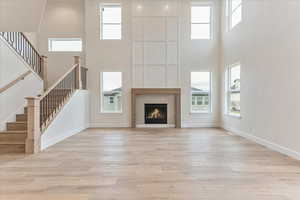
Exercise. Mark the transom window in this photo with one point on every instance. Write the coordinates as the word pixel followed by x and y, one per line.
pixel 201 17
pixel 234 90
pixel 64 45
pixel 111 22
pixel 234 13
pixel 200 92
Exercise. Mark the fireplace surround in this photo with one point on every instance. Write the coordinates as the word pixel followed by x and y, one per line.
pixel 157 91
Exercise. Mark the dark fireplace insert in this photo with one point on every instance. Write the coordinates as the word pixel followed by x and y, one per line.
pixel 156 114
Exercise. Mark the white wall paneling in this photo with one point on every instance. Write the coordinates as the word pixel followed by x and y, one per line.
pixel 155 47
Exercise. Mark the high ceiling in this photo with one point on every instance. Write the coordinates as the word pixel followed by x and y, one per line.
pixel 21 15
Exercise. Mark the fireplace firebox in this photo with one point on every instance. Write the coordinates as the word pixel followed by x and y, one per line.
pixel 156 113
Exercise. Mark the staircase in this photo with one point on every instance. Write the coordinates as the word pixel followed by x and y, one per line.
pixel 23 135
pixel 13 140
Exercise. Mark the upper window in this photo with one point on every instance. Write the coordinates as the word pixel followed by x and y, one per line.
pixel 201 21
pixel 64 44
pixel 234 90
pixel 234 12
pixel 111 22
pixel 200 92
pixel 111 92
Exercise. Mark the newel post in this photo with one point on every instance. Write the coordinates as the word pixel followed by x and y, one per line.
pixel 33 139
pixel 78 83
pixel 44 66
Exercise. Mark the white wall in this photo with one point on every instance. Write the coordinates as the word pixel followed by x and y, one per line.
pixel 20 15
pixel 12 101
pixel 62 19
pixel 267 44
pixel 156 51
pixel 72 119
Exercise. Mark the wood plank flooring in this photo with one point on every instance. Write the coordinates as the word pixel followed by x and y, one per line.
pixel 151 164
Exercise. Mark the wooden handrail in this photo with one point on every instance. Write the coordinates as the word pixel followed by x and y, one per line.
pixel 57 82
pixel 43 110
pixel 36 51
pixel 14 82
pixel 23 48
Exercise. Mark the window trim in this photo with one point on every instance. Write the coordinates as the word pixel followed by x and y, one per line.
pixel 101 5
pixel 230 12
pixel 101 111
pixel 210 110
pixel 211 20
pixel 228 90
pixel 51 39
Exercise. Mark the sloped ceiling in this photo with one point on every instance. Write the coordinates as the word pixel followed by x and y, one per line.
pixel 21 15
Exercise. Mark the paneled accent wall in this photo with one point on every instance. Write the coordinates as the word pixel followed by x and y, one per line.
pixel 155 38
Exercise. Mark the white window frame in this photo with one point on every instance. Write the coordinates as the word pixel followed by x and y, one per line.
pixel 103 5
pixel 51 48
pixel 101 95
pixel 209 95
pixel 230 12
pixel 228 90
pixel 202 4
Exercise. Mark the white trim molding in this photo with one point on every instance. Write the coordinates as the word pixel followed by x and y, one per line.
pixel 109 125
pixel 275 147
pixel 200 125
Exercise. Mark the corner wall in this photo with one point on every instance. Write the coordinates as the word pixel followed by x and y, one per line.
pixel 267 44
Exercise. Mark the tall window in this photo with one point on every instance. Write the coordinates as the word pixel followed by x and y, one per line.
pixel 234 90
pixel 234 13
pixel 64 45
pixel 111 92
pixel 200 92
pixel 201 18
pixel 111 22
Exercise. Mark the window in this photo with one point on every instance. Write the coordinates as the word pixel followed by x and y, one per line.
pixel 200 92
pixel 111 22
pixel 111 89
pixel 234 90
pixel 201 21
pixel 64 44
pixel 234 13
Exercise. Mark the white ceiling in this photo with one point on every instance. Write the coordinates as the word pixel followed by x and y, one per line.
pixel 21 15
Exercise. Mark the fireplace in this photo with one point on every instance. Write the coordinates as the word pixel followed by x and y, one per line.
pixel 156 113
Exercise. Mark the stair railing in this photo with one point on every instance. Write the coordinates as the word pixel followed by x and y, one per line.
pixel 22 46
pixel 41 111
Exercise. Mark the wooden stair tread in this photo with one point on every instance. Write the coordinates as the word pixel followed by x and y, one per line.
pixel 13 132
pixel 12 148
pixel 11 142
pixel 21 117
pixel 24 122
pixel 16 126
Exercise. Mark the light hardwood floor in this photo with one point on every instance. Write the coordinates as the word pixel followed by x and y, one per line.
pixel 156 164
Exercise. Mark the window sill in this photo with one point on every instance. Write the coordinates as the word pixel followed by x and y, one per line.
pixel 200 113
pixel 111 112
pixel 233 116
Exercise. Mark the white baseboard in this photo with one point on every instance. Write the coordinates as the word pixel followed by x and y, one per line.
pixel 45 143
pixel 200 125
pixel 263 142
pixel 109 125
pixel 155 125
